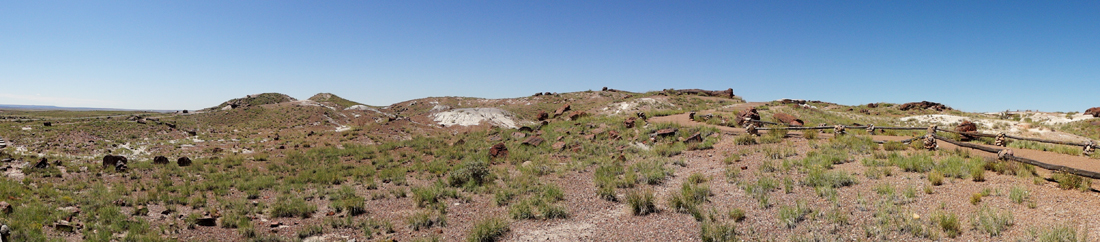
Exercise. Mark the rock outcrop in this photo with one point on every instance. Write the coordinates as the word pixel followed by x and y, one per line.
pixel 923 105
pixel 1095 112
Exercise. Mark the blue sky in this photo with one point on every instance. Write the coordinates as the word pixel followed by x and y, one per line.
pixel 971 55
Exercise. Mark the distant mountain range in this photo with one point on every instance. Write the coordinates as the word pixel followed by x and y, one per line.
pixel 44 107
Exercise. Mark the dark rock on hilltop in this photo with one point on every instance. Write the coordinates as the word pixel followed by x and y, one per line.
pixel 923 105
pixel 1095 112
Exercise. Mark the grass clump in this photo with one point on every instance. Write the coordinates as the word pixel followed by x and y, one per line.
pixel 1057 233
pixel 432 195
pixel 488 230
pixel 975 198
pixel 291 206
pixel 991 220
pixel 640 202
pixel 894 146
pixel 948 222
pixel 346 200
pixel 1018 194
pixel 744 139
pixel 311 230
pixel 691 195
pixel 792 215
pixel 834 179
pixel 426 219
pixel 717 232
pixel 652 172
pixel 936 178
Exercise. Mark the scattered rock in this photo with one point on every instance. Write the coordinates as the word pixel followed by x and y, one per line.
pixel 518 135
pixel 161 160
pixel 613 135
pixel 5 207
pixel 542 116
pixel 577 115
pixel 47 124
pixel 498 151
pixel 534 141
pixel 63 226
pixel 629 122
pixel 872 105
pixel 141 210
pixel 923 105
pixel 207 221
pixel 788 119
pixel 1004 154
pixel 42 164
pixel 664 132
pixel 183 161
pixel 558 145
pixel 697 137
pixel 275 224
pixel 562 110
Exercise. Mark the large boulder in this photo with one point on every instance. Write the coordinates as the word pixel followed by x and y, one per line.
pixel 110 161
pixel 788 119
pixel 1095 112
pixel 183 161
pixel 967 127
pixel 160 160
pixel 923 105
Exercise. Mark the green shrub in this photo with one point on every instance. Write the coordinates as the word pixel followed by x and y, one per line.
pixel 487 230
pixel 640 202
pixel 991 220
pixel 975 198
pixel 470 173
pixel 1068 181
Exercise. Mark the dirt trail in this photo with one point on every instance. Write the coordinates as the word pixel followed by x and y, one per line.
pixel 1078 162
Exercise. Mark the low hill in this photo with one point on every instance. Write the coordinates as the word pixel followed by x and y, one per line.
pixel 325 97
pixel 255 100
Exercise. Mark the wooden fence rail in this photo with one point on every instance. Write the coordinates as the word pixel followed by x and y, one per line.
pixel 1052 167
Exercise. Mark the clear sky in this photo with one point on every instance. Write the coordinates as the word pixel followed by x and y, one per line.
pixel 971 55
